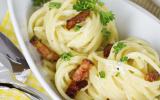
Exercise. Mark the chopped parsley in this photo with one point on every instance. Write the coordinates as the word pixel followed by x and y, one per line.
pixel 82 5
pixel 117 74
pixel 66 56
pixel 131 71
pixel 157 97
pixel 77 27
pixel 95 5
pixel 124 59
pixel 39 2
pixel 54 5
pixel 119 47
pixel 159 87
pixel 106 17
pixel 101 3
pixel 102 74
pixel 106 33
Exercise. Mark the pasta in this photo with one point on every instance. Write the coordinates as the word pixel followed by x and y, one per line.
pixel 80 32
pixel 49 25
pixel 122 81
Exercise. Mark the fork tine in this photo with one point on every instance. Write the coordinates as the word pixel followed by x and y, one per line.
pixel 12 52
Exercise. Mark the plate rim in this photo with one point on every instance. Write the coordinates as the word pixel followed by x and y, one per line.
pixel 27 55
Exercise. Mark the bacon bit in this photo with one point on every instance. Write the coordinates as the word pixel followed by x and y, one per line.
pixel 79 78
pixel 152 76
pixel 44 50
pixel 74 87
pixel 83 71
pixel 107 50
pixel 77 19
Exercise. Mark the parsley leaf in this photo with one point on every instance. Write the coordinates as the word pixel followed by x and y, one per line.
pixel 106 17
pixel 77 27
pixel 131 71
pixel 119 47
pixel 117 74
pixel 159 87
pixel 95 5
pixel 66 56
pixel 82 5
pixel 124 59
pixel 101 3
pixel 54 5
pixel 159 65
pixel 102 74
pixel 106 33
pixel 39 2
pixel 157 97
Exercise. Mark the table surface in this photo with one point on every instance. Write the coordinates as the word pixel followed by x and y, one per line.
pixel 150 6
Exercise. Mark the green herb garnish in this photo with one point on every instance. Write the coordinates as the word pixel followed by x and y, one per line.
pixel 159 87
pixel 77 27
pixel 131 71
pixel 106 33
pixel 157 97
pixel 124 59
pixel 101 3
pixel 95 5
pixel 102 74
pixel 119 47
pixel 66 56
pixel 54 5
pixel 117 74
pixel 106 17
pixel 39 2
pixel 82 5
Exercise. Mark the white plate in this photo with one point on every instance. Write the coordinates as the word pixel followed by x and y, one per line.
pixel 3 8
pixel 131 20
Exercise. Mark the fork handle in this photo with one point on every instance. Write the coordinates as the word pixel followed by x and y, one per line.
pixel 33 93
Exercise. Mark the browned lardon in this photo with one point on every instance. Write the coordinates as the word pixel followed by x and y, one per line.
pixel 79 78
pixel 152 76
pixel 45 52
pixel 107 50
pixel 77 19
pixel 74 87
pixel 83 71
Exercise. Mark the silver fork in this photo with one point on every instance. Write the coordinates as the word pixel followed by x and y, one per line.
pixel 150 6
pixel 7 80
pixel 13 54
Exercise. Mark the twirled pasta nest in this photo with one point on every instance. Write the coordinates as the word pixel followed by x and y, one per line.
pixel 49 26
pixel 122 79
